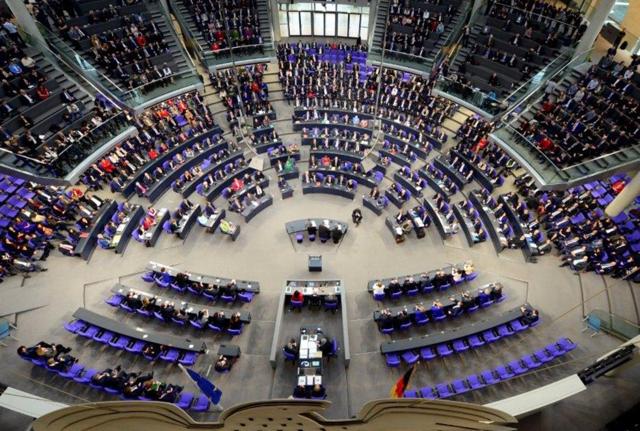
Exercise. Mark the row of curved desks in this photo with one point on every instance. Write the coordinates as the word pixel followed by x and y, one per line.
pixel 489 220
pixel 415 190
pixel 87 243
pixel 478 174
pixel 151 236
pixel 121 289
pixel 158 188
pixel 190 186
pixel 437 144
pixel 345 155
pixel 256 207
pixel 138 333
pixel 466 225
pixel 442 225
pixel 299 125
pixel 443 164
pixel 123 234
pixel 432 340
pixel 529 248
pixel 372 204
pixel 349 175
pixel 130 186
pixel 216 189
pixel 425 276
pixel 187 222
pixel 397 158
pixel 249 286
pixel 337 190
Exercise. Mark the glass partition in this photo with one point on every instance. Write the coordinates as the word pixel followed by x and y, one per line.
pixel 614 324
pixel 318 19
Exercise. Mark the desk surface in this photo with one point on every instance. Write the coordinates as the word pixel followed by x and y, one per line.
pixel 310 291
pixel 434 339
pixel 139 333
pixel 120 289
pixel 417 277
pixel 252 286
pixel 301 225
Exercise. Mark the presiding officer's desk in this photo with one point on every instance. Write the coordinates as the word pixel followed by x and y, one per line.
pixel 314 288
pixel 88 242
pixel 138 333
pixel 426 276
pixel 123 233
pixel 151 236
pixel 432 340
pixel 296 226
pixel 130 185
pixel 249 286
pixel 122 290
pixel 256 206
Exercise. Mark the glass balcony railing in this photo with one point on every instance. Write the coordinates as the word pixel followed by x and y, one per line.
pixel 487 102
pixel 59 165
pixel 613 324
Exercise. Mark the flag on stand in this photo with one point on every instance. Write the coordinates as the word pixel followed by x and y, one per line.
pixel 397 391
pixel 209 389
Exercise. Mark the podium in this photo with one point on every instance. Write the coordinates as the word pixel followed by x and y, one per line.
pixel 315 263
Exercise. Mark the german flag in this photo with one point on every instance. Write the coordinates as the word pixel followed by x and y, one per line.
pixel 397 391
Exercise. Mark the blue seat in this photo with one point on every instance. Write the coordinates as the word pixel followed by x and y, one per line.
pixel 214 328
pixel 531 362
pixel 72 371
pixel 379 296
pixel 411 393
pixel 171 355
pixel 427 353
pixel 410 357
pixel 460 346
pixel 489 377
pixel 163 280
pixel 85 375
pixel 289 356
pixel 396 295
pixel 443 390
pixel 201 404
pixel 427 393
pixel 234 332
pixel 115 300
pixel 119 341
pixel 420 318
pixel 88 331
pixel 474 382
pixel 517 325
pixel 554 350
pixel 136 347
pixel 228 298
pixel 406 325
pixel 503 372
pixel 566 344
pixel 185 400
pixel 393 360
pixel 428 288
pixel 475 341
pixel 104 338
pixel 437 314
pixel 543 356
pixel 188 358
pixel 245 296
pixel 489 336
pixel 460 386
pixel 517 367
pixel 444 350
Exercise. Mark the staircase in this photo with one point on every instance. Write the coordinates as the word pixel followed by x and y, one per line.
pixel 379 28
pixel 180 60
pixel 265 26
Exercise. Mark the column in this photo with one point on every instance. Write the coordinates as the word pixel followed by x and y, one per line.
pixel 625 198
pixel 596 21
pixel 25 21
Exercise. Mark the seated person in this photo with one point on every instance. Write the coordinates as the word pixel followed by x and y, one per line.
pixel 318 391
pixel 529 315
pixel 61 361
pixel 133 387
pixel 235 322
pixel 110 378
pixel 291 347
pixel 300 391
pixel 325 346
pixel 297 296
pixel 223 364
pixel 379 288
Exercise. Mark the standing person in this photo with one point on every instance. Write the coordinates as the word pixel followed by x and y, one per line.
pixel 619 37
pixel 356 216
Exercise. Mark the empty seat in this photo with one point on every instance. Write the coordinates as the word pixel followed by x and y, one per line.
pixel 489 377
pixel 517 367
pixel 427 392
pixel 443 390
pixel 475 382
pixel 460 386
pixel 503 372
